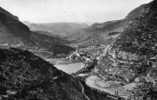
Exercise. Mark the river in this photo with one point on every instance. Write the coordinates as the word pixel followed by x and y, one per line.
pixel 69 68
pixel 65 66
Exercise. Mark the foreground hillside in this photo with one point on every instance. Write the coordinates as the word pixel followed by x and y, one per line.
pixel 25 76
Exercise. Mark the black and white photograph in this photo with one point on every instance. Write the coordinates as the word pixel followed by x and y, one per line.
pixel 78 49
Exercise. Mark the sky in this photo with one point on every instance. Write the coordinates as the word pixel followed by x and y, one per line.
pixel 83 11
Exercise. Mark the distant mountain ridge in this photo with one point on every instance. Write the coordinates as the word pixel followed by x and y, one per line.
pixel 83 35
pixel 60 29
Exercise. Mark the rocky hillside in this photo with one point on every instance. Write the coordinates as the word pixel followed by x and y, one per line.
pixel 25 76
pixel 130 63
pixel 16 34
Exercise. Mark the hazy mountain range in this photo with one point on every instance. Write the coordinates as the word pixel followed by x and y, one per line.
pixel 60 29
pixel 84 35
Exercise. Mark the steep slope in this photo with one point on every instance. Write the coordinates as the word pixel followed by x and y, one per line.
pixel 27 77
pixel 11 29
pixel 141 33
pixel 13 24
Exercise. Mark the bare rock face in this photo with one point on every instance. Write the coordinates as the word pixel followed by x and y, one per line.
pixel 133 55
